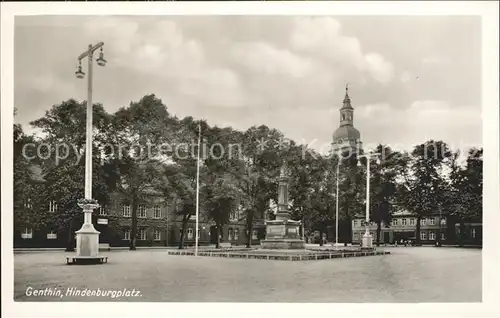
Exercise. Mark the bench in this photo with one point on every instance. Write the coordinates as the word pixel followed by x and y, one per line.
pixel 104 246
pixel 71 260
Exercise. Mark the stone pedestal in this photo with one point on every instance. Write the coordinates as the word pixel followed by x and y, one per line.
pixel 87 239
pixel 282 234
pixel 367 242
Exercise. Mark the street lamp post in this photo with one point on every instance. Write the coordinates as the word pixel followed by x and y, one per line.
pixel 367 237
pixel 337 204
pixel 438 240
pixel 87 238
pixel 197 191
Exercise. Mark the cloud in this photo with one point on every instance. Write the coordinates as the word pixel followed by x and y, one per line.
pixel 436 60
pixel 217 86
pixel 268 60
pixel 284 71
pixel 322 37
pixel 405 77
pixel 375 109
pixel 422 120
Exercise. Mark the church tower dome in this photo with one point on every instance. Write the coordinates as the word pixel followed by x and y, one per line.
pixel 346 137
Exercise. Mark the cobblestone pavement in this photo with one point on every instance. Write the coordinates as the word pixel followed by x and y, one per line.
pixel 412 274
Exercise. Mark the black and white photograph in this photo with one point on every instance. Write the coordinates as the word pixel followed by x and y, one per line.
pixel 267 157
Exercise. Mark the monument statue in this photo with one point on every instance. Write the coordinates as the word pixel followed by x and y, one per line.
pixel 282 233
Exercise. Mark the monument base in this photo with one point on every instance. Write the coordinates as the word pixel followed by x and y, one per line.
pixel 367 242
pixel 83 260
pixel 282 234
pixel 87 241
pixel 283 244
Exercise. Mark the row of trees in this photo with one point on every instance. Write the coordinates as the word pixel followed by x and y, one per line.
pixel 239 171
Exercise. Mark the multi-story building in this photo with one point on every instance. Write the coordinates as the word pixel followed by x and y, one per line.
pixel 158 223
pixel 432 228
pixel 403 227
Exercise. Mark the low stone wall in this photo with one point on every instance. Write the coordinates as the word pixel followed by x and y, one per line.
pixel 285 257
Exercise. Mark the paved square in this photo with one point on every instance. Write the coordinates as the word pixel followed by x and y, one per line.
pixel 424 274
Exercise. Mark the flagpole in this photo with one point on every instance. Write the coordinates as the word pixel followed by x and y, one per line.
pixel 197 190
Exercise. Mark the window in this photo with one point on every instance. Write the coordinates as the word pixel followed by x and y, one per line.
pixel 178 205
pixel 102 210
pixel 422 222
pixel 27 233
pixel 394 222
pixel 473 232
pixel 230 234
pixel 423 236
pixel 27 203
pixel 156 212
pixel 343 116
pixel 126 235
pixel 52 206
pixel 443 221
pixel 236 234
pixel 432 236
pixel 432 221
pixel 126 211
pixel 403 221
pixel 190 234
pixel 157 235
pixel 51 235
pixel 142 234
pixel 356 236
pixel 254 235
pixel 443 237
pixel 141 212
pixel 199 233
pixel 235 215
pixel 412 222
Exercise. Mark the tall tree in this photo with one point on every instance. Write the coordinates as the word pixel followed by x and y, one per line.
pixel 25 185
pixel 352 193
pixel 63 165
pixel 464 201
pixel 425 184
pixel 383 187
pixel 257 171
pixel 138 131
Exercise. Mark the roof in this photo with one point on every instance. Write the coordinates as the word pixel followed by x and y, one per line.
pixel 346 132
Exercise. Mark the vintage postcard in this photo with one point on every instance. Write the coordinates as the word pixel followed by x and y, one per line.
pixel 300 157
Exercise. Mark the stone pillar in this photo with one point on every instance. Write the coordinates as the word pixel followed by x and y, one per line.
pixel 282 213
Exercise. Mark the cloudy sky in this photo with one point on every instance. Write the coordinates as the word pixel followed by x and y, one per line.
pixel 411 78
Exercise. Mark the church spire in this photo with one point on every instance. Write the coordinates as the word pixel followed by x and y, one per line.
pixel 347 99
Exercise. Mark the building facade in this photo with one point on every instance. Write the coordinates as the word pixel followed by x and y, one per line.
pixel 432 228
pixel 158 223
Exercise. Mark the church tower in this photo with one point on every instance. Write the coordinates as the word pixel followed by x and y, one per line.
pixel 346 138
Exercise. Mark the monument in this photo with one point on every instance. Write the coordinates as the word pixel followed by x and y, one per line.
pixel 282 233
